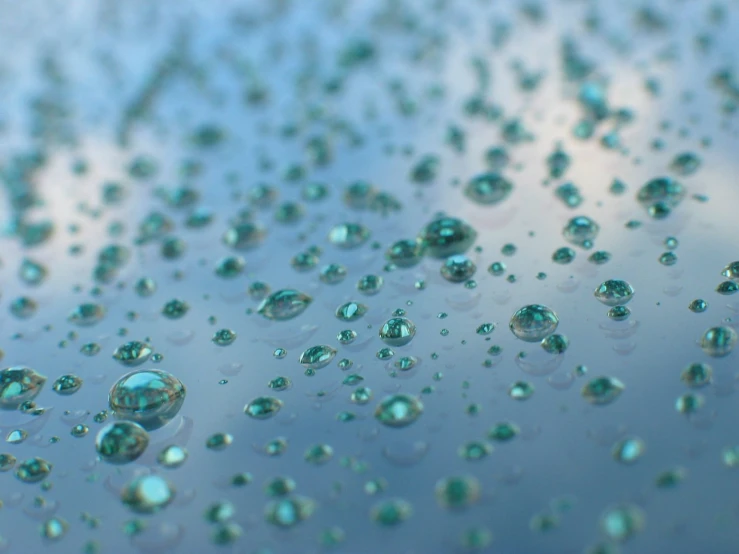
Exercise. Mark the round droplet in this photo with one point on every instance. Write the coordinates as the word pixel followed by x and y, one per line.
pixel 602 390
pixel 719 341
pixel 614 292
pixel 284 304
pixel 54 529
pixel 172 457
pixel 370 284
pixel 223 337
pixel 581 231
pixel 392 512
pixel 399 410
pixel 697 375
pixel 619 313
pixel 33 470
pixel 121 442
pixel 147 494
pixel 319 454
pixel 288 512
pixel 447 236
pixel 698 306
pixel 349 235
pixel 351 311
pixel 263 407
pixel 18 385
pixel 150 398
pixel 521 390
pixel 622 522
pixel 488 188
pixel 398 331
pixel 628 450
pixel 67 384
pixel 406 252
pixel 86 315
pixel 457 492
pixel 731 271
pixel 533 323
pixel 659 196
pixel 458 268
pixel 317 357
pixel 244 236
pixel 555 344
pixel 132 353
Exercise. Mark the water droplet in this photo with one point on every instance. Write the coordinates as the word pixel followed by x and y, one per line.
pixel 614 292
pixel 685 163
pixel 731 271
pixel 698 306
pixel 175 309
pixel 488 188
pixel 457 492
pixel 319 454
pixel 622 522
pixel 223 337
pixel 719 341
pixel 668 259
pixel 447 236
pixel 7 462
pixel 172 457
pixel 333 274
pixel 628 450
pixel 244 236
pixel 533 323
pixel 288 512
pixel 399 410
pixel 619 313
pixel 659 196
pixel 263 407
pixel 67 384
pixel 86 315
pixel 219 441
pixel 351 311
pixel 602 390
pixel 689 403
pixel 581 231
pixel 283 305
pixel 406 253
pixel 361 396
pixel 370 284
pixel 474 450
pixel 349 235
pixel 230 267
pixel 398 331
pixel 150 398
pixel 121 442
pixel 33 470
pixel 697 375
pixel 563 255
pixel 317 357
pixel 54 529
pixel 132 353
pixel 521 390
pixel 555 344
pixel 727 287
pixel 18 385
pixel 147 494
pixel 458 268
pixel 671 478
pixel 392 512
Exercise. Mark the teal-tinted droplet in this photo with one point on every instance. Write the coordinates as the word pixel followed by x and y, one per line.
pixel 150 398
pixel 533 323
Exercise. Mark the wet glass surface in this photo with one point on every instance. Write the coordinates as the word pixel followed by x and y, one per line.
pixel 410 277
